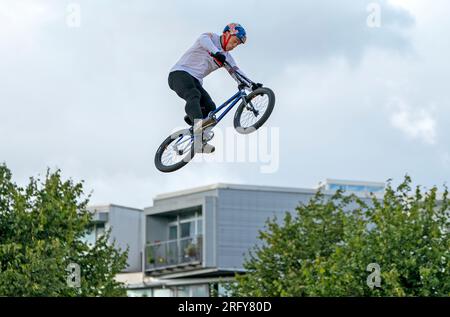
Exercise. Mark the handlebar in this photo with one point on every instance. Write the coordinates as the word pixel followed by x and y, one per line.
pixel 243 80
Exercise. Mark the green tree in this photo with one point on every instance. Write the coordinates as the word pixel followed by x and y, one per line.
pixel 325 247
pixel 41 232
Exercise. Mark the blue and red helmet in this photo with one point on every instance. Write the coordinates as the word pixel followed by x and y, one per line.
pixel 237 30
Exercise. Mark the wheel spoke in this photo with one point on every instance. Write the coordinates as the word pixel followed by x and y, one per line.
pixel 248 117
pixel 170 155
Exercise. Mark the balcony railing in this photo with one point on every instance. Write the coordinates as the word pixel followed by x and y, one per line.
pixel 173 253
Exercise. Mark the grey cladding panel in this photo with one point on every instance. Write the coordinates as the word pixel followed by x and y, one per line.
pixel 241 214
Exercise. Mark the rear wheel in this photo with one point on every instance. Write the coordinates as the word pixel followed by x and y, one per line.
pixel 252 115
pixel 175 151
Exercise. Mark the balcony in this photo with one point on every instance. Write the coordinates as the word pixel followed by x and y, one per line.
pixel 174 255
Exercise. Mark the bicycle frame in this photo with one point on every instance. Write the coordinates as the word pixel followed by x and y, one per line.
pixel 240 95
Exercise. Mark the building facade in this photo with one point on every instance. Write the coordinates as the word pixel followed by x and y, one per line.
pixel 125 226
pixel 189 242
pixel 203 235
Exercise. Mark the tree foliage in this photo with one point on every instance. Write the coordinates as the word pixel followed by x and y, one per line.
pixel 326 245
pixel 41 232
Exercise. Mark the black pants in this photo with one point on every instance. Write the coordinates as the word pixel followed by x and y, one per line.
pixel 198 101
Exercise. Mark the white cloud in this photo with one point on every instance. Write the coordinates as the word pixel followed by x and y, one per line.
pixel 20 21
pixel 415 123
pixel 445 158
pixel 95 102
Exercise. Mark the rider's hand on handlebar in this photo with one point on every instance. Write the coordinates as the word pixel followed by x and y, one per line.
pixel 256 86
pixel 219 57
pixel 242 86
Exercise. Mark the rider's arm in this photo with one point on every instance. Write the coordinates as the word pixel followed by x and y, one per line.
pixel 231 70
pixel 206 42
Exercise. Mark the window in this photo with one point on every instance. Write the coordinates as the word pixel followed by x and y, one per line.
pixel 187 229
pixel 335 187
pixel 139 293
pixel 173 232
pixel 191 291
pixel 182 291
pixel 200 291
pixel 374 189
pixel 162 292
pixel 89 237
pixel 99 230
pixel 94 233
pixel 186 226
pixel 355 188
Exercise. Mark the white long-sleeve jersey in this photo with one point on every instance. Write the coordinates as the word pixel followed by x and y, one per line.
pixel 197 61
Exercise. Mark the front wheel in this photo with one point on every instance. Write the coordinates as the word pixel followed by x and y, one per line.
pixel 253 113
pixel 175 151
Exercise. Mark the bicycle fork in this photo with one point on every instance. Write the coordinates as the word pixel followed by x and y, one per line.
pixel 249 106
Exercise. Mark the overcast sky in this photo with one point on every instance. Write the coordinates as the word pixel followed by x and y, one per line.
pixel 353 101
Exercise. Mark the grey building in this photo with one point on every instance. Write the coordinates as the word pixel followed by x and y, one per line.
pixel 125 225
pixel 195 237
